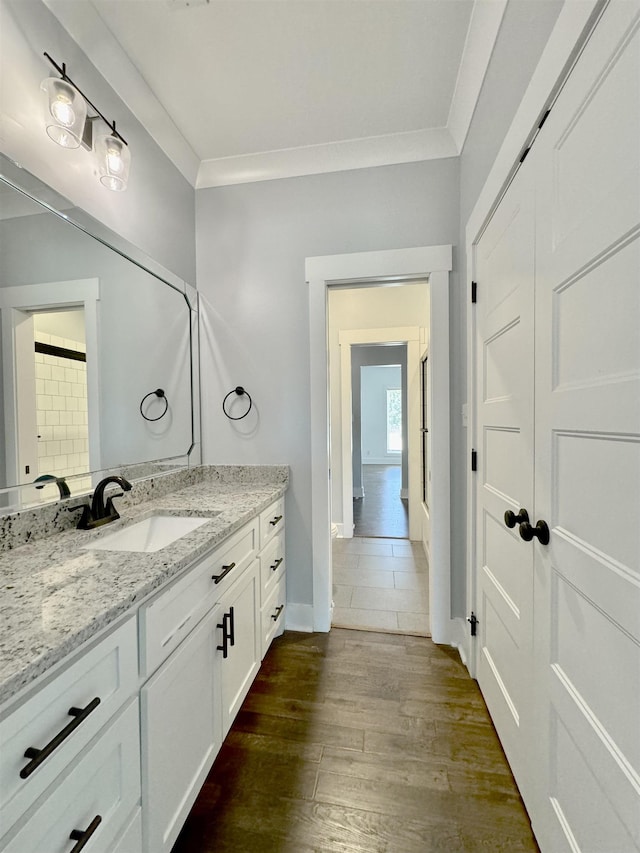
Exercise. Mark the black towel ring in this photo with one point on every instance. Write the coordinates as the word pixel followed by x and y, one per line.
pixel 158 393
pixel 240 392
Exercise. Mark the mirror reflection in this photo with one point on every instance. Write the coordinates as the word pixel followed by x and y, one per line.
pixel 96 350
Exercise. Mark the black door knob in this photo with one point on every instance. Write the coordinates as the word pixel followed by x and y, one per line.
pixel 511 519
pixel 541 531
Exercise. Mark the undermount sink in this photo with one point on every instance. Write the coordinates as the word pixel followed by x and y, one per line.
pixel 150 534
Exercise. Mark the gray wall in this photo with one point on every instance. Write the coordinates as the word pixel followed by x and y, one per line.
pixel 157 211
pixel 525 30
pixel 252 241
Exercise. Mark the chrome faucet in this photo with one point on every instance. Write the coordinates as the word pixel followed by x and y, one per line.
pixel 101 512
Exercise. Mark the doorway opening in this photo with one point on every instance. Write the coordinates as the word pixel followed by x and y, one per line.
pixel 379 446
pixel 387 267
pixel 380 578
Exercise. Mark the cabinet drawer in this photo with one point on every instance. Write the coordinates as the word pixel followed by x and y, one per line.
pixel 167 620
pixel 271 565
pixel 105 782
pixel 108 672
pixel 271 521
pixel 273 613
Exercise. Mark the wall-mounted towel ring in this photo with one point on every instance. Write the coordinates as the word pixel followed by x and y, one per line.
pixel 240 392
pixel 160 394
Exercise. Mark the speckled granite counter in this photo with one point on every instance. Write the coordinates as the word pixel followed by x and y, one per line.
pixel 54 595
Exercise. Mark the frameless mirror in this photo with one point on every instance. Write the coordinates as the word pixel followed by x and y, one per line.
pixel 97 347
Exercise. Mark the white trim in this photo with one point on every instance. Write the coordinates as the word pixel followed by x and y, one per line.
pixel 409 335
pixel 571 29
pixel 407 147
pixel 484 26
pixel 434 263
pixel 299 617
pixel 85 292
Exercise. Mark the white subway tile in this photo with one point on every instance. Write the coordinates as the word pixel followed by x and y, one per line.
pixel 53 418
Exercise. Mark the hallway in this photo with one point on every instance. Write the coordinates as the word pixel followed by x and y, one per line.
pixel 381 512
pixel 354 742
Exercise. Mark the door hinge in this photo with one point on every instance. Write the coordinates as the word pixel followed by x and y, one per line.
pixel 474 460
pixel 543 119
pixel 474 292
pixel 473 621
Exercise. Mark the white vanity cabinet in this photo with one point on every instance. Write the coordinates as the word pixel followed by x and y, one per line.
pixel 111 750
pixel 69 755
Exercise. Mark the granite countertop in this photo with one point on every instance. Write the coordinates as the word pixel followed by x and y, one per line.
pixel 54 595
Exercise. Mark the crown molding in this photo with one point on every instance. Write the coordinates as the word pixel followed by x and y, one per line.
pixel 410 147
pixel 84 24
pixel 484 26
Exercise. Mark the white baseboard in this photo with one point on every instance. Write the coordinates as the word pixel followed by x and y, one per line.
pixel 358 492
pixel 299 617
pixel 340 527
pixel 460 639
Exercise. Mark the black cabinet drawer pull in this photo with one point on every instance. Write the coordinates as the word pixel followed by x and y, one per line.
pixel 225 571
pixel 83 835
pixel 275 520
pixel 275 616
pixel 37 756
pixel 276 564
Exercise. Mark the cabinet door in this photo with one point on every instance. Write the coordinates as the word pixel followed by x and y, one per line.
pixel 240 635
pixel 180 735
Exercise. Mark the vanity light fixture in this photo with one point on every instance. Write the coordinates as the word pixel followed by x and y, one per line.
pixel 68 124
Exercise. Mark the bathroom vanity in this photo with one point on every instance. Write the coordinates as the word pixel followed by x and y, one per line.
pixel 122 671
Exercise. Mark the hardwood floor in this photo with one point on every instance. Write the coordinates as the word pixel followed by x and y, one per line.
pixel 359 742
pixel 381 512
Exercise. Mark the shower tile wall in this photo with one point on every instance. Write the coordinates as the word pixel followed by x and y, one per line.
pixel 61 404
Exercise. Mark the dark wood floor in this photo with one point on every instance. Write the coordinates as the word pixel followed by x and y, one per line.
pixel 356 742
pixel 381 512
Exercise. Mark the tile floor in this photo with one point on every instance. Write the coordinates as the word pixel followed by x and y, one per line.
pixel 380 585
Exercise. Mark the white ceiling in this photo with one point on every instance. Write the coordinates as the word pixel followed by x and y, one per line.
pixel 242 90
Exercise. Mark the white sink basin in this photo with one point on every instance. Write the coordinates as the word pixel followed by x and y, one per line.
pixel 148 535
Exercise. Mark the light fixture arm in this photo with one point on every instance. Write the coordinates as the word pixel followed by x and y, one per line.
pixel 63 71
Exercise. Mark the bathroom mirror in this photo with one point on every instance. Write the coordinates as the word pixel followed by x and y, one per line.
pixel 98 348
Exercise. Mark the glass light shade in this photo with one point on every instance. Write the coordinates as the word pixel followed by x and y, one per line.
pixel 114 162
pixel 66 112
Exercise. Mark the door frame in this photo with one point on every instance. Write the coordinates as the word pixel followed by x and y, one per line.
pixel 392 266
pixel 573 26
pixel 409 335
pixel 83 293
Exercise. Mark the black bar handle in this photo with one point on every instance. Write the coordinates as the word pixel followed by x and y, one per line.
pixel 232 630
pixel 83 835
pixel 224 573
pixel 275 520
pixel 224 648
pixel 276 564
pixel 37 756
pixel 275 616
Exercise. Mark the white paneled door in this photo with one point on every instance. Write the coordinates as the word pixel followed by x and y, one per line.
pixel 587 452
pixel 504 381
pixel 558 413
